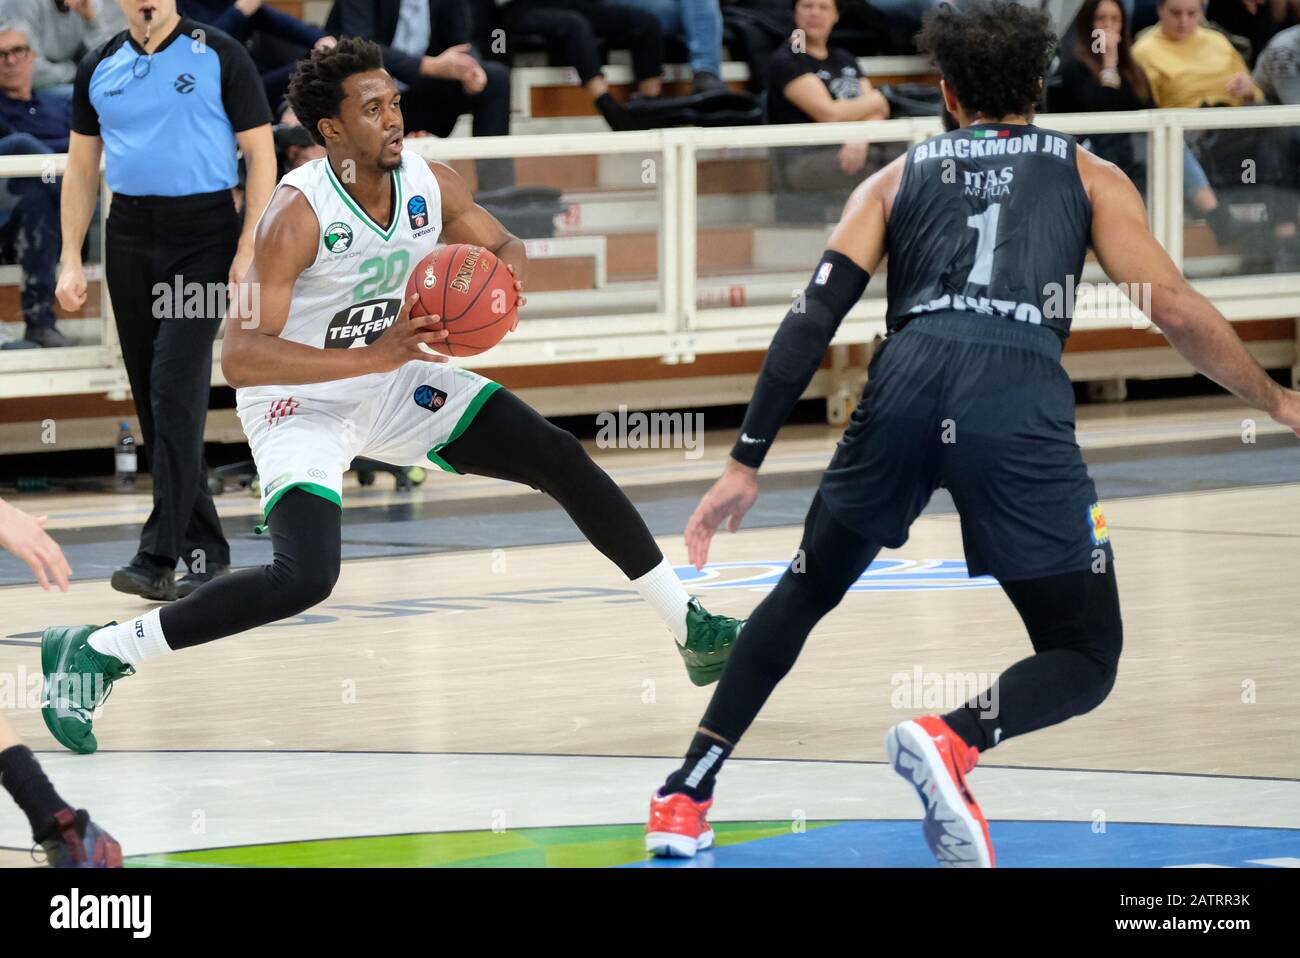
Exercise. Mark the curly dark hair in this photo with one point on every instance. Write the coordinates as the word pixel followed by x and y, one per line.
pixel 992 54
pixel 316 87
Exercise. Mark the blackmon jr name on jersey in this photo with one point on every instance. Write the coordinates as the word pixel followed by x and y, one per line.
pixel 990 220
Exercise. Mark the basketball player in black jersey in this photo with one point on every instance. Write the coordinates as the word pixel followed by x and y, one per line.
pixel 984 226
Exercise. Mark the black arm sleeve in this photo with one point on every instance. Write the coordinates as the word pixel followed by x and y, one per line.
pixel 797 350
pixel 85 118
pixel 242 92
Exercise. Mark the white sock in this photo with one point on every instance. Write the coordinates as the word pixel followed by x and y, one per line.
pixel 665 592
pixel 134 641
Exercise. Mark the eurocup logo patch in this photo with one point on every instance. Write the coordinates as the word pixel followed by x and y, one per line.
pixel 338 237
pixel 430 398
pixel 1097 525
pixel 418 210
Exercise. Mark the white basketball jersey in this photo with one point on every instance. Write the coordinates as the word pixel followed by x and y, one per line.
pixel 354 288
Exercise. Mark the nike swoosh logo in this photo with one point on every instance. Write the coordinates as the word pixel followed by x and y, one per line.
pixel 746 438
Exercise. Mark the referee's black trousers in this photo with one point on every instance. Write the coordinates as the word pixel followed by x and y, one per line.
pixel 166 261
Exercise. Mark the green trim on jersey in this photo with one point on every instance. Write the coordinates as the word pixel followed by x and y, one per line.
pixel 467 417
pixel 361 214
pixel 325 492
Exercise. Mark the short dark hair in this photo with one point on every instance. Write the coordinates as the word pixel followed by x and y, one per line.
pixel 992 54
pixel 316 87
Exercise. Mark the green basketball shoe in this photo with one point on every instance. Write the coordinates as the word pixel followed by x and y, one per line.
pixel 77 681
pixel 709 641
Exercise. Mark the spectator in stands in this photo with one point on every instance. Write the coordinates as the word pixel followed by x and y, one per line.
pixel 1277 72
pixel 700 22
pixel 31 122
pixel 427 49
pixel 809 81
pixel 1100 74
pixel 1190 65
pixel 575 24
pixel 62 31
pixel 246 20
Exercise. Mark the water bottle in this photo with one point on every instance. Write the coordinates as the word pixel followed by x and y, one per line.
pixel 125 458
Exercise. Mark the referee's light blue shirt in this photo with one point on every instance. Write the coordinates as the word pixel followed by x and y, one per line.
pixel 168 122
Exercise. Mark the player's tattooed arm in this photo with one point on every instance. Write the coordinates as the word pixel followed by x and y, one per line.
pixel 1131 256
pixel 252 352
pixel 464 221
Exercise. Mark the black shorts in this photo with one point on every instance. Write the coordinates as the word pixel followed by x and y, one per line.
pixel 981 406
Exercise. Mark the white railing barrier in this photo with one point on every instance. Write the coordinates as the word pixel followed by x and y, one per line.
pixel 676 330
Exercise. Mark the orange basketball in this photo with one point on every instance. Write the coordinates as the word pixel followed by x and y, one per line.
pixel 471 290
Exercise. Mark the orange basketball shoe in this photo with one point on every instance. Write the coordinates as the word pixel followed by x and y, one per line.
pixel 934 759
pixel 678 827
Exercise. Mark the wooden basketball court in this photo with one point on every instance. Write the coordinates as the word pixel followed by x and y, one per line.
pixel 558 699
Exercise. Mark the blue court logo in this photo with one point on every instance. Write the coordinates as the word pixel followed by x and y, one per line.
pixel 430 398
pixel 418 210
pixel 883 575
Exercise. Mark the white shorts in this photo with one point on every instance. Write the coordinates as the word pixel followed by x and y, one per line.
pixel 403 418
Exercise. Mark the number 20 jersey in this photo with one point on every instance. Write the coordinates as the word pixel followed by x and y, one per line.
pixel 354 288
pixel 990 220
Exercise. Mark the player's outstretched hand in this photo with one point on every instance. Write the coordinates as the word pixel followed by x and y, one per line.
pixel 408 338
pixel 25 537
pixel 730 498
pixel 1288 410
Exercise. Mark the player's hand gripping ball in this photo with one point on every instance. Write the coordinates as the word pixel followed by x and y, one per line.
pixel 471 290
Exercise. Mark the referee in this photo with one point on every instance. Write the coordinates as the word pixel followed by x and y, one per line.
pixel 166 102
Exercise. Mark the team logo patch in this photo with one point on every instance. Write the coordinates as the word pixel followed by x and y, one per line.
pixel 1097 524
pixel 418 210
pixel 338 237
pixel 361 323
pixel 430 281
pixel 430 398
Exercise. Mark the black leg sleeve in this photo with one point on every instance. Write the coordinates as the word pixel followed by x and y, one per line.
pixel 1074 624
pixel 830 559
pixel 510 440
pixel 306 535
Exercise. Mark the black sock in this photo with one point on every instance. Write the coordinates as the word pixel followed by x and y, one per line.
pixel 26 782
pixel 613 112
pixel 698 773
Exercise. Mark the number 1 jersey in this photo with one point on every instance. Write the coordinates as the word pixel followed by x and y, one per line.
pixel 990 220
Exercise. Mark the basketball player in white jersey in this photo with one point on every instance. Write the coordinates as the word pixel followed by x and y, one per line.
pixel 330 365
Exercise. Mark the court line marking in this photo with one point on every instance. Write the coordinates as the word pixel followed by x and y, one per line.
pixel 666 758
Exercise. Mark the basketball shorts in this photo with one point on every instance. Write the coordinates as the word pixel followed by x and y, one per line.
pixel 981 406
pixel 307 438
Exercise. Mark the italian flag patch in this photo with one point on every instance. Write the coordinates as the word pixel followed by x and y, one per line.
pixel 989 134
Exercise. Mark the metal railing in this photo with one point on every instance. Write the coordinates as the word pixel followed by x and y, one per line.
pixel 676 329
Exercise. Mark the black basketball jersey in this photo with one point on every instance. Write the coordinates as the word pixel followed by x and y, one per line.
pixel 991 219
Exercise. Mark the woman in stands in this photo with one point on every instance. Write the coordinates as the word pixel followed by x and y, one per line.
pixel 810 81
pixel 1101 74
pixel 1191 65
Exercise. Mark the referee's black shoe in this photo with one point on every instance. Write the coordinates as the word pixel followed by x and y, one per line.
pixel 147 579
pixel 192 580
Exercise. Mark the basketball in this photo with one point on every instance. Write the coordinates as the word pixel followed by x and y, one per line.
pixel 471 290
